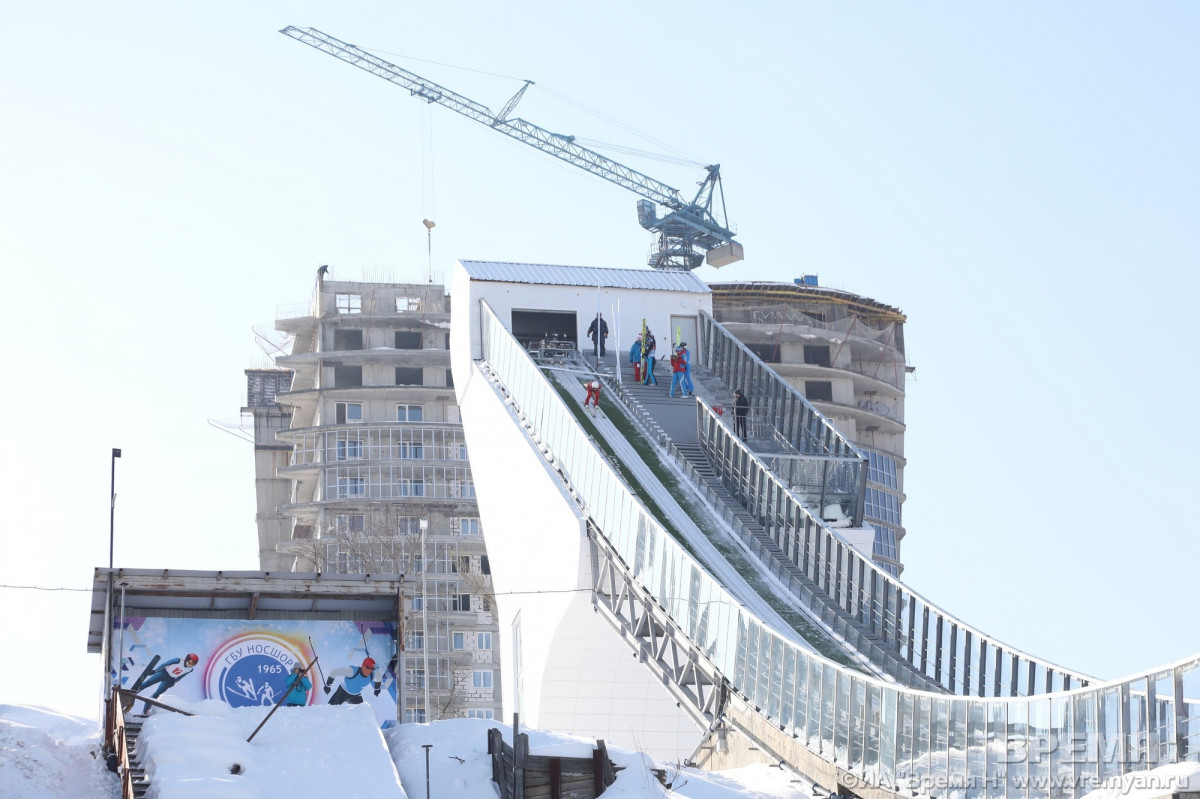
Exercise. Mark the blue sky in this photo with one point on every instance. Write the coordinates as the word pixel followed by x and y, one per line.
pixel 1021 179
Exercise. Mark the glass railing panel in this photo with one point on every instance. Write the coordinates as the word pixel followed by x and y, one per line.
pixel 772 686
pixel 1061 767
pixel 1137 726
pixel 888 734
pixel 828 708
pixel 997 750
pixel 787 689
pixel 976 765
pixel 1017 749
pixel 956 758
pixel 841 719
pixel 1163 720
pixel 939 742
pixel 1041 737
pixel 1085 753
pixel 1189 724
pixel 922 743
pixel 1109 738
pixel 856 738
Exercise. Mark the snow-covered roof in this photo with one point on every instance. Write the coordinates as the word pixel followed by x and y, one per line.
pixel 557 275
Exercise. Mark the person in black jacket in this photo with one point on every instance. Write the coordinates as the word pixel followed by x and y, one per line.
pixel 598 331
pixel 741 409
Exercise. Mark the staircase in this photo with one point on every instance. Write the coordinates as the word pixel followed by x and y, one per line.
pixel 137 774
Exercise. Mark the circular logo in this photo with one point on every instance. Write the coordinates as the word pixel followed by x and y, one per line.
pixel 250 670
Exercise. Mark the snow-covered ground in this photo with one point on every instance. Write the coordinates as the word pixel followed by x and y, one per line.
pixel 333 751
pixel 317 752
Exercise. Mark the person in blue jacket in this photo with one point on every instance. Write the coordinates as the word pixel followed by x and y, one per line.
pixel 688 388
pixel 353 683
pixel 297 685
pixel 648 355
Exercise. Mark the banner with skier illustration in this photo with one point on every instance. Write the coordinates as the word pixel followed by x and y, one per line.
pixel 245 663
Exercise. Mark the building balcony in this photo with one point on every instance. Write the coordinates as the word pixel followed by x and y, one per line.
pixel 392 443
pixel 428 356
pixel 868 415
pixel 359 483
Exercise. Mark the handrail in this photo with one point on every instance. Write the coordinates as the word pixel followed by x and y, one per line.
pixel 969 663
pixel 1049 746
pixel 116 749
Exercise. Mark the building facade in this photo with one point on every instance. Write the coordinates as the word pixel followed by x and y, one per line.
pixel 367 473
pixel 845 354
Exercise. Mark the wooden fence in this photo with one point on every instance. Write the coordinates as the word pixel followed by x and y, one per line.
pixel 521 775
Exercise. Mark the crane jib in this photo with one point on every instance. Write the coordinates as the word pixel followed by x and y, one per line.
pixel 688 228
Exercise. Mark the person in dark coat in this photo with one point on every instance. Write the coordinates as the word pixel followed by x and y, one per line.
pixel 598 331
pixel 741 409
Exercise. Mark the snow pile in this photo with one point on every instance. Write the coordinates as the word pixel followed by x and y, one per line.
pixel 310 751
pixel 319 751
pixel 459 765
pixel 44 753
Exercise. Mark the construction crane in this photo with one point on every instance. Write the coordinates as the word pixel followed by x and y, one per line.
pixel 688 235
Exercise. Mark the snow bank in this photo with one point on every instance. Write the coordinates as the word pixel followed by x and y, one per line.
pixel 310 751
pixel 321 751
pixel 44 753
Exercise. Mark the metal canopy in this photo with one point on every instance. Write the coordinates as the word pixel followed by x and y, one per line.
pixel 241 594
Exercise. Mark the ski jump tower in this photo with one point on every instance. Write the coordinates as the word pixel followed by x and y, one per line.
pixel 682 594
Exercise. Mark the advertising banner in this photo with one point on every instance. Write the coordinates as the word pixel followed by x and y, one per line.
pixel 243 662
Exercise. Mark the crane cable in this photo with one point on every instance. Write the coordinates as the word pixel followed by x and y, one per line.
pixel 428 194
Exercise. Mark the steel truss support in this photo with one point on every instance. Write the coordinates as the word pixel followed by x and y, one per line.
pixel 656 640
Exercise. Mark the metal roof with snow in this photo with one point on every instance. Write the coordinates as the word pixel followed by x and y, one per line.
pixel 556 275
pixel 241 595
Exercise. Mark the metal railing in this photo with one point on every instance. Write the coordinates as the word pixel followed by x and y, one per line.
pixel 784 419
pixel 908 741
pixel 950 653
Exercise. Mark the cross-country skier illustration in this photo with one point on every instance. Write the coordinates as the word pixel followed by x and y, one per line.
pixel 164 676
pixel 353 682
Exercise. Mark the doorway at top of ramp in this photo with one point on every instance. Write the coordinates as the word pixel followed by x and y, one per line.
pixel 531 326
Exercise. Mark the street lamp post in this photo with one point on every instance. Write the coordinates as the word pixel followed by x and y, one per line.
pixel 112 503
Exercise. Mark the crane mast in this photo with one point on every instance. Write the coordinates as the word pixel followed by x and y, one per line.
pixel 688 235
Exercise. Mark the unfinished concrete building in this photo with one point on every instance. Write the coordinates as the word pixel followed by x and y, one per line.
pixel 362 468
